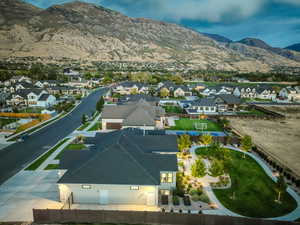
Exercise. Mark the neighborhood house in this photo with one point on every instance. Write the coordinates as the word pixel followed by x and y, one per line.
pixel 120 167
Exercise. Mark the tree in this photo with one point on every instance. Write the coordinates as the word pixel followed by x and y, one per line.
pixel 206 139
pixel 280 187
pixel 164 92
pixel 246 144
pixel 184 142
pixel 133 91
pixel 100 104
pixel 198 168
pixel 217 168
pixel 83 119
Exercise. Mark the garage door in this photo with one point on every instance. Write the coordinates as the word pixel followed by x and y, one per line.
pixel 123 197
pixel 113 126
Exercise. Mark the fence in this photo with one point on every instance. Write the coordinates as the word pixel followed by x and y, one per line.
pixel 139 217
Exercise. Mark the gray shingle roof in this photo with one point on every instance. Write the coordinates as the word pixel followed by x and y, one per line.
pixel 118 158
pixel 133 113
pixel 44 97
pixel 205 102
pixel 229 99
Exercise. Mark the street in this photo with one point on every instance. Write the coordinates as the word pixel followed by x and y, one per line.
pixel 16 156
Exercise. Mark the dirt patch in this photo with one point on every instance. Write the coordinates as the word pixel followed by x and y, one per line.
pixel 280 138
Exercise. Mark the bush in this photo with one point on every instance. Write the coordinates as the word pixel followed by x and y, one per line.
pixel 186 200
pixel 175 200
pixel 204 198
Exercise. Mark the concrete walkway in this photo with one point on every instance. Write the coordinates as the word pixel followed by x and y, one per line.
pixel 222 210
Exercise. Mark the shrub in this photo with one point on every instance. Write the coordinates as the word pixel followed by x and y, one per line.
pixel 175 200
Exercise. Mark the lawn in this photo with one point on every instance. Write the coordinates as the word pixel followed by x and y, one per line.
pixel 172 109
pixel 71 147
pixel 83 126
pixel 32 110
pixel 253 188
pixel 188 124
pixel 44 157
pixel 96 126
pixel 52 167
pixel 4 121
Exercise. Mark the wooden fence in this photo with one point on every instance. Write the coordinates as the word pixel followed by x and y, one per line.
pixel 139 217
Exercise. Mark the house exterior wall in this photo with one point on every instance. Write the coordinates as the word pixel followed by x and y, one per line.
pixel 116 194
pixel 105 121
pixel 49 102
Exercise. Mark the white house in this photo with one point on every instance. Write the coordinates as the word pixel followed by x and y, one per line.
pixel 203 106
pixel 290 93
pixel 46 100
pixel 121 167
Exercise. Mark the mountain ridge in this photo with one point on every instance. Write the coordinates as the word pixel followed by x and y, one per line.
pixel 79 30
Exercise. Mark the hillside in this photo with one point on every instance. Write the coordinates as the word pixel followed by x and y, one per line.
pixel 88 32
pixel 294 47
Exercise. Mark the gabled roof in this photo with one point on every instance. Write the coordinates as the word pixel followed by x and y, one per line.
pixel 209 101
pixel 137 97
pixel 117 158
pixel 25 92
pixel 43 97
pixel 229 99
pixel 133 113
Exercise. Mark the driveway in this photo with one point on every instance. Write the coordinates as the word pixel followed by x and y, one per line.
pixel 16 156
pixel 25 191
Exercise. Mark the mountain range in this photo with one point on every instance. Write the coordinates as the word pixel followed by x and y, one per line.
pixel 87 32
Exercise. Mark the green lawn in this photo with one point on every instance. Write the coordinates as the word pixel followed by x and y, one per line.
pixel 172 109
pixel 44 157
pixel 188 124
pixel 253 188
pixel 70 147
pixel 4 121
pixel 96 126
pixel 32 110
pixel 52 167
pixel 83 126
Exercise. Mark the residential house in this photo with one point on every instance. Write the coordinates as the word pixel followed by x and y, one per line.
pixel 266 93
pixel 47 83
pixel 120 168
pixel 129 87
pixel 245 92
pixel 16 79
pixel 227 103
pixel 290 93
pixel 181 91
pixel 205 105
pixel 32 97
pixel 135 98
pixel 217 90
pixel 214 104
pixel 139 114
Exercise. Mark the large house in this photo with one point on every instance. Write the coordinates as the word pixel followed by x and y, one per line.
pixel 129 87
pixel 120 167
pixel 139 114
pixel 32 97
pixel 214 104
pixel 290 93
pixel 173 90
pixel 217 90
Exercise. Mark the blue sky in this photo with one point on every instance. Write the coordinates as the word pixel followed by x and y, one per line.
pixel 275 21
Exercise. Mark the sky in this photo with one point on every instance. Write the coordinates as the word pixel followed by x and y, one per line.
pixel 275 21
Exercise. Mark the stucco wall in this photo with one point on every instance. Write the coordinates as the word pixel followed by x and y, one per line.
pixel 117 194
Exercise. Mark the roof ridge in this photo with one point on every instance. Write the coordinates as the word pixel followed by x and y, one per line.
pixel 131 156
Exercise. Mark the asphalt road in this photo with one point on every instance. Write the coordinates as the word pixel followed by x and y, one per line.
pixel 16 156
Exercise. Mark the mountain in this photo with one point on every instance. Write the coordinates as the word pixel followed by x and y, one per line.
pixel 294 47
pixel 91 33
pixel 218 38
pixel 253 42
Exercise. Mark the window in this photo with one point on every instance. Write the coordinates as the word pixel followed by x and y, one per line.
pixel 134 188
pixel 86 186
pixel 166 177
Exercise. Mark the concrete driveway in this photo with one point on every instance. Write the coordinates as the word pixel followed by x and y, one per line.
pixel 25 191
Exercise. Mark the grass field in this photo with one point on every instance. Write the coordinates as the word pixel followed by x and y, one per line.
pixel 70 147
pixel 252 112
pixel 83 126
pixel 188 124
pixel 254 190
pixel 52 167
pixel 44 157
pixel 96 126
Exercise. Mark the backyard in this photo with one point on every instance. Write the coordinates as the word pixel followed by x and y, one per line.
pixel 189 124
pixel 172 109
pixel 252 192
